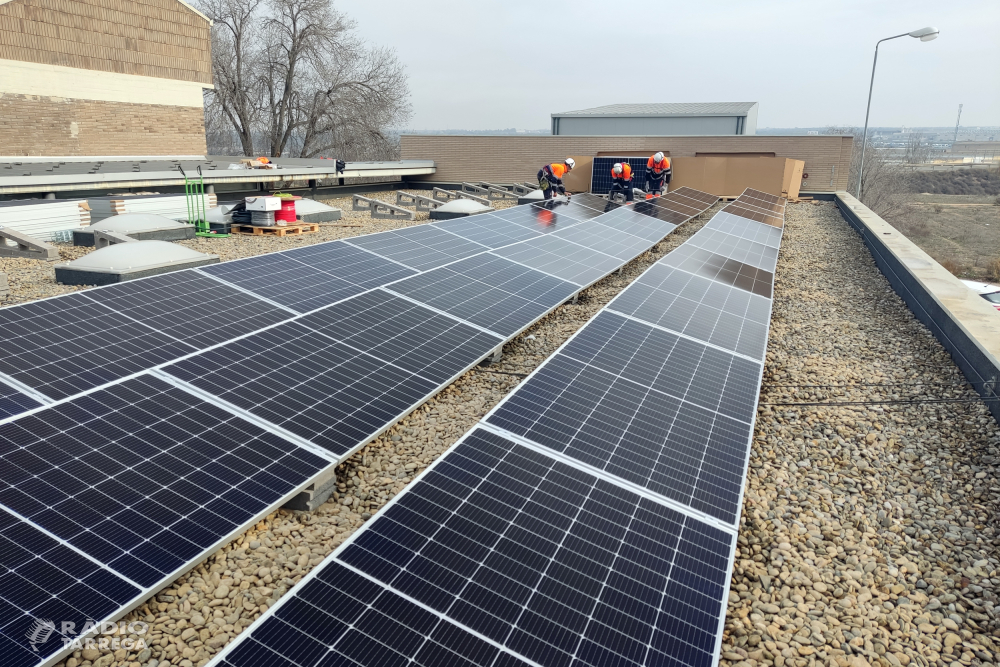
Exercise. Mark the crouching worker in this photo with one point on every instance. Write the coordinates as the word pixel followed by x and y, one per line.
pixel 550 177
pixel 657 175
pixel 621 181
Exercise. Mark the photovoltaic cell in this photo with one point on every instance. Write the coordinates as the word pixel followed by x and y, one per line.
pixel 600 180
pixel 562 259
pixel 189 306
pixel 69 344
pixel 745 229
pixel 422 247
pixel 597 237
pixel 718 267
pixel 487 230
pixel 538 219
pixel 308 278
pixel 349 263
pixel 635 223
pixel 339 617
pixel 322 390
pixel 660 411
pixel 732 247
pixel 13 402
pixel 143 477
pixel 704 309
pixel 434 346
pixel 42 579
pixel 489 291
pixel 554 564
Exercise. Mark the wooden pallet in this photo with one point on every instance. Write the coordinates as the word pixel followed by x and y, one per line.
pixel 288 230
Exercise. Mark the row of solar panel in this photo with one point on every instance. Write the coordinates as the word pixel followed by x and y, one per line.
pixel 506 553
pixel 137 480
pixel 61 346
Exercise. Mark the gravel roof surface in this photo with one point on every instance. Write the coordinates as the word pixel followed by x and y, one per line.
pixel 868 534
pixel 32 279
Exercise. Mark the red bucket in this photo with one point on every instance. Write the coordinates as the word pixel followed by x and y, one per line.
pixel 287 212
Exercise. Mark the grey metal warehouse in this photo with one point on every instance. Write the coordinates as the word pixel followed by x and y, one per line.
pixel 714 118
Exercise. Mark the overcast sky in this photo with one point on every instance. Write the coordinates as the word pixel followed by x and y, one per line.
pixel 491 64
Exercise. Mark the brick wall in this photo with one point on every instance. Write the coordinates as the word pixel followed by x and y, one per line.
pixel 53 126
pixel 158 38
pixel 505 159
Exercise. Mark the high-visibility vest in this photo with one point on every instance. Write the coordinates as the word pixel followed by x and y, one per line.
pixel 626 172
pixel 658 167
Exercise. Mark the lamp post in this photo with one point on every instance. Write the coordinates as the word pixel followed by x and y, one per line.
pixel 924 35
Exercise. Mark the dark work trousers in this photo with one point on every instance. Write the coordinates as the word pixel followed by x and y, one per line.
pixel 654 184
pixel 618 185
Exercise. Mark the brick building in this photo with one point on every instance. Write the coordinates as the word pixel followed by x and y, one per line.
pixel 102 77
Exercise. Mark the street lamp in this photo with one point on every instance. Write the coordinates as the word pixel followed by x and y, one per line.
pixel 924 35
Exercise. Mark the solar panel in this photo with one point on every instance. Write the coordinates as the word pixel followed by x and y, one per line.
pixel 649 207
pixel 14 402
pixel 736 208
pixel 539 219
pixel 692 195
pixel 504 555
pixel 422 247
pixel 707 310
pixel 487 230
pixel 718 267
pixel 562 259
pixel 635 223
pixel 389 355
pixel 489 291
pixel 745 229
pixel 45 584
pixel 308 278
pixel 143 477
pixel 742 250
pixel 595 236
pixel 68 344
pixel 190 307
pixel 677 424
pixel 600 180
pixel 569 208
pixel 435 346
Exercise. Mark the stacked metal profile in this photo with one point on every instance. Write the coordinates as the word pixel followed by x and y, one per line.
pixel 169 205
pixel 591 517
pixel 44 219
pixel 166 414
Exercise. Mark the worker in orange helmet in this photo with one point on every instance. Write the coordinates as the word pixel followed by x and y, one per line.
pixel 657 174
pixel 621 181
pixel 550 177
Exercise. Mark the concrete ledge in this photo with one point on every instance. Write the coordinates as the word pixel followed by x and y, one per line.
pixel 85 237
pixel 967 326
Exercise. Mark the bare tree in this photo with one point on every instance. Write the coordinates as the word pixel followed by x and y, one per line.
pixel 915 152
pixel 294 79
pixel 883 181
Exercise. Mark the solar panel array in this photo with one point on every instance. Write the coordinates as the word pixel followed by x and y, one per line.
pixel 166 414
pixel 589 519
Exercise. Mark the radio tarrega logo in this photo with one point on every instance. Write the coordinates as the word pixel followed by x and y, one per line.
pixel 103 636
pixel 39 632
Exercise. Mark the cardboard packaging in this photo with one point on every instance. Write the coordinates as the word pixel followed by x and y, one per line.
pixel 263 203
pixel 730 176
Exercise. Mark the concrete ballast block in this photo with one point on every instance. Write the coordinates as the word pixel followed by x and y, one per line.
pixel 4 288
pixel 499 194
pixel 474 189
pixel 104 238
pixel 482 200
pixel 26 246
pixel 381 210
pixel 444 195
